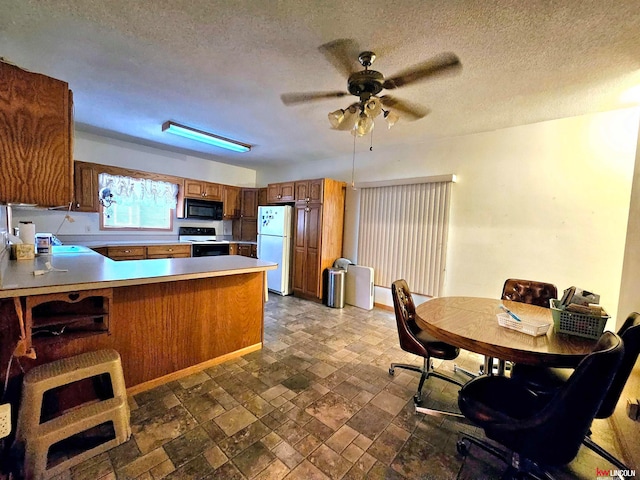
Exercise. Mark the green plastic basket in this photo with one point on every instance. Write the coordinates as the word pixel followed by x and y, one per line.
pixel 579 324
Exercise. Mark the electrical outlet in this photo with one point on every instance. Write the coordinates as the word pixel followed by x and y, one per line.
pixel 5 420
pixel 633 409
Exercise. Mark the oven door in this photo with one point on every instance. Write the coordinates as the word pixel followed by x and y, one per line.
pixel 209 249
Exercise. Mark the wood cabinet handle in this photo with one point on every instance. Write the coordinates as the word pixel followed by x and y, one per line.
pixel 171 249
pixel 127 251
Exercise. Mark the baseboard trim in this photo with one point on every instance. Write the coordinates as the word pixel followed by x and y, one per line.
pixel 156 382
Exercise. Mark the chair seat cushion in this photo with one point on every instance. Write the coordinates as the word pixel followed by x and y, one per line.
pixel 435 347
pixel 543 381
pixel 490 399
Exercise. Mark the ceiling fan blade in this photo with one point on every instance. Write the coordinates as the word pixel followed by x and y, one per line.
pixel 410 111
pixel 303 97
pixel 342 54
pixel 445 63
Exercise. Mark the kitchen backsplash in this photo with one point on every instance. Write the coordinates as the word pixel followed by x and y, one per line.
pixel 83 226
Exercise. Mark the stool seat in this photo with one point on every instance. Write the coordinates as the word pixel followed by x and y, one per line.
pixel 38 438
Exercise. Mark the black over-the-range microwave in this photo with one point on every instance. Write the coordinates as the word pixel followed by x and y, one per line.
pixel 202 209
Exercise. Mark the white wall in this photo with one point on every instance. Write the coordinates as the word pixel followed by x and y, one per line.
pixel 547 201
pixel 97 149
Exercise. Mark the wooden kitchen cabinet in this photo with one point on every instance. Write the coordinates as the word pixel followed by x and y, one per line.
pixel 249 203
pixel 231 202
pixel 281 192
pixel 36 138
pixel 199 189
pixel 247 250
pixel 317 236
pixel 249 212
pixel 169 251
pixel 86 187
pixel 127 253
pixel 309 190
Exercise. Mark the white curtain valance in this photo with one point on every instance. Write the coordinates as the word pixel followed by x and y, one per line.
pixel 128 191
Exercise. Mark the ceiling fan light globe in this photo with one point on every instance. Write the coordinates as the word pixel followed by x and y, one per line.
pixel 391 118
pixel 364 125
pixel 373 107
pixel 336 118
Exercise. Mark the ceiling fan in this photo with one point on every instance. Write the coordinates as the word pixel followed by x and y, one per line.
pixel 367 84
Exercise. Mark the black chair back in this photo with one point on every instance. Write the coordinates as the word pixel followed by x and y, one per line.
pixel 553 435
pixel 630 334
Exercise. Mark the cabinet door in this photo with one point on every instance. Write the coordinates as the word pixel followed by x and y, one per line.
pixel 86 187
pixel 287 192
pixel 249 203
pixel 262 197
pixel 249 229
pixel 193 188
pixel 302 191
pixel 281 192
pixel 212 191
pixel 315 190
pixel 36 131
pixel 231 202
pixel 307 276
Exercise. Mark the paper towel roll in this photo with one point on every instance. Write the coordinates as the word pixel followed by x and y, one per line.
pixel 28 233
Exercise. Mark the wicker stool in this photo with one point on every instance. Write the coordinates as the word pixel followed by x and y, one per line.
pixel 37 437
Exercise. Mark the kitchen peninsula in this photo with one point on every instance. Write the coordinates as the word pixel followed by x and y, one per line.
pixel 166 317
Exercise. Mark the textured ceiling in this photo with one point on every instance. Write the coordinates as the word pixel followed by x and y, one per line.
pixel 221 65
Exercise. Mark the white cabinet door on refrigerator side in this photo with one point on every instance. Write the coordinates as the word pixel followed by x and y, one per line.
pixel 274 220
pixel 271 249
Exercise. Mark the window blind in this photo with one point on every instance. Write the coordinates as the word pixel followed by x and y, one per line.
pixel 403 234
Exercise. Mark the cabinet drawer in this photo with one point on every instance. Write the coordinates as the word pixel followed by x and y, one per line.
pixel 126 253
pixel 165 250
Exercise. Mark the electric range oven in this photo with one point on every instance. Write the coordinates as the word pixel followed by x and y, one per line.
pixel 204 242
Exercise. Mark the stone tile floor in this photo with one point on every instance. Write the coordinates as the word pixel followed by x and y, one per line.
pixel 317 402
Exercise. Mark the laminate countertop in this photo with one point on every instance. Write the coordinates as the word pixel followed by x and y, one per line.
pixel 80 268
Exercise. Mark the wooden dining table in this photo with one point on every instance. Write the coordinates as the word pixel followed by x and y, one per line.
pixel 471 323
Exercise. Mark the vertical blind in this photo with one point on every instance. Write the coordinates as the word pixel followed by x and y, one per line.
pixel 403 234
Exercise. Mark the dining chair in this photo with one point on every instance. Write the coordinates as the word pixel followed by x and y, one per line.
pixel 415 340
pixel 531 292
pixel 546 381
pixel 539 432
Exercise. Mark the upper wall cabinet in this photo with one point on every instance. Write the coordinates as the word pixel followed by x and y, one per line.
pixel 206 190
pixel 36 138
pixel 231 201
pixel 281 192
pixel 309 191
pixel 86 187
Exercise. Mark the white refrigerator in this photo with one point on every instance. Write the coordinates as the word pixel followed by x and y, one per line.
pixel 275 230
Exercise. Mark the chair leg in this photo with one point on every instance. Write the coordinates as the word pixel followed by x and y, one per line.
pixel 457 368
pixel 406 366
pixel 589 443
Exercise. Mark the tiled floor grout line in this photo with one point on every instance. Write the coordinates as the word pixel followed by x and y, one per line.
pixel 325 375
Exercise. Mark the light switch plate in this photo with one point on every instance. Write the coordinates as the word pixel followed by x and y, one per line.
pixel 5 420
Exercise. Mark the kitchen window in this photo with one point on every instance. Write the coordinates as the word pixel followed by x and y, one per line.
pixel 136 203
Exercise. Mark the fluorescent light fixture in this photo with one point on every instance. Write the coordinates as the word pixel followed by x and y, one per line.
pixel 204 137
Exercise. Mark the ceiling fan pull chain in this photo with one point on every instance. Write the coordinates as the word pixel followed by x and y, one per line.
pixel 353 165
pixel 371 145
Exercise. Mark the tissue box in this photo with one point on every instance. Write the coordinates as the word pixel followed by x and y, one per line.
pixel 23 251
